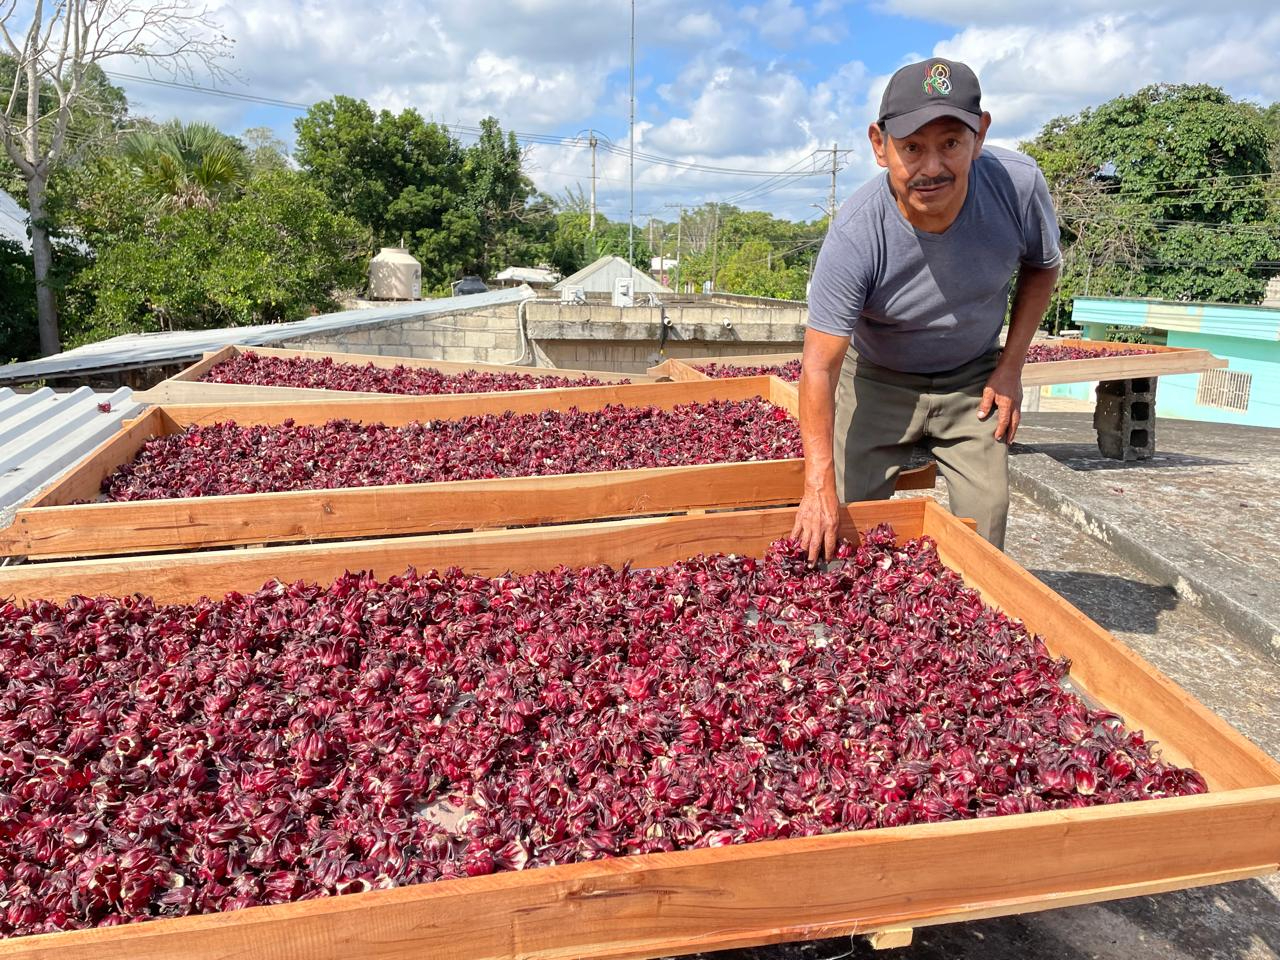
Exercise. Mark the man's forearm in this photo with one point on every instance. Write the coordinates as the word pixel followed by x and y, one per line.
pixel 1030 302
pixel 817 427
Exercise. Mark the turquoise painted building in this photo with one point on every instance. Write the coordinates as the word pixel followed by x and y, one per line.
pixel 1247 391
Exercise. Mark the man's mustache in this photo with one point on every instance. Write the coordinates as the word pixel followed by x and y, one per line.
pixel 928 182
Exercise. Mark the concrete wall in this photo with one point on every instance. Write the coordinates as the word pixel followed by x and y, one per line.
pixel 592 336
pixel 483 336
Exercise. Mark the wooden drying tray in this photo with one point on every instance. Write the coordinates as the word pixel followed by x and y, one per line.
pixel 186 387
pixel 54 525
pixel 1163 361
pixel 882 882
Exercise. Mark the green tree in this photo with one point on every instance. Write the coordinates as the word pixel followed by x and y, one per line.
pixel 57 44
pixel 397 174
pixel 19 336
pixel 266 152
pixel 186 164
pixel 755 269
pixel 272 254
pixel 1163 194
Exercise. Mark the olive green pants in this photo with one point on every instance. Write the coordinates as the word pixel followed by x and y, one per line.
pixel 881 414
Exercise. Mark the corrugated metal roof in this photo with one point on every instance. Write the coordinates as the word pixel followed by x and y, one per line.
pixel 598 277
pixel 43 433
pixel 145 349
pixel 13 221
pixel 528 275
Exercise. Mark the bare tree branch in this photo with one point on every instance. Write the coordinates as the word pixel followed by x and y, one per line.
pixel 60 38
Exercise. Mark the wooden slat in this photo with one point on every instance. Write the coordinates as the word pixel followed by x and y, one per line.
pixel 397 411
pixel 186 387
pixel 686 368
pixel 1162 361
pixel 1188 733
pixel 105 529
pixel 84 480
pixel 645 542
pixel 202 366
pixel 698 900
pixel 194 522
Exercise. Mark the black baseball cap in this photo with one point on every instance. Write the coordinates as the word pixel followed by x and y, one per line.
pixel 924 91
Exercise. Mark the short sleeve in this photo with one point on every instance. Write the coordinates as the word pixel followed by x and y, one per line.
pixel 839 287
pixel 1040 228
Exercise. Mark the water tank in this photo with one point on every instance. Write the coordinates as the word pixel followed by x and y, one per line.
pixel 395 275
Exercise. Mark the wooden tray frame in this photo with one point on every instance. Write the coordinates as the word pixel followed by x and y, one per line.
pixel 54 526
pixel 186 387
pixel 884 881
pixel 1163 361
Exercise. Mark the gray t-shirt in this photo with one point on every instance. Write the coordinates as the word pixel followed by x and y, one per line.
pixel 925 302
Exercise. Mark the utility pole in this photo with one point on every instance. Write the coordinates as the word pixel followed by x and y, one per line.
pixel 631 156
pixel 679 224
pixel 593 141
pixel 715 237
pixel 831 204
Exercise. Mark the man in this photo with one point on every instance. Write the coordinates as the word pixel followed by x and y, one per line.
pixel 916 271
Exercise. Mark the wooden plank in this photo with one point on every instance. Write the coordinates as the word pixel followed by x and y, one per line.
pixel 686 368
pixel 186 387
pixel 676 370
pixel 1189 734
pixel 770 892
pixel 644 542
pixel 102 529
pixel 1163 362
pixel 194 522
pixel 198 369
pixel 397 411
pixel 1160 362
pixel 891 939
pixel 84 480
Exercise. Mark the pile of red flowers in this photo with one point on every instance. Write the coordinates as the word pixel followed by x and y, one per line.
pixel 306 741
pixel 327 374
pixel 789 371
pixel 1045 353
pixel 223 458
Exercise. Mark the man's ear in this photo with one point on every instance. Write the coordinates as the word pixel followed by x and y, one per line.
pixel 983 126
pixel 879 144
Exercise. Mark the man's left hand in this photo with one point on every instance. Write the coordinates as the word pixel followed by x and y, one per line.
pixel 1003 393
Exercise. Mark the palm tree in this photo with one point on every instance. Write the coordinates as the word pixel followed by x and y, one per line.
pixel 187 164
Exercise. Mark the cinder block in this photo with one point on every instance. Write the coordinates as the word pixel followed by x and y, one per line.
pixel 1124 417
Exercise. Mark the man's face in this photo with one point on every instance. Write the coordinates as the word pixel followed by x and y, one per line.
pixel 929 170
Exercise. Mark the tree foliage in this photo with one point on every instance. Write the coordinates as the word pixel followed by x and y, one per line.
pixel 271 254
pixel 186 164
pixel 19 339
pixel 459 209
pixel 1163 194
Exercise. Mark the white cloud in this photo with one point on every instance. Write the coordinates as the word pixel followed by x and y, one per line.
pixel 698 26
pixel 1031 74
pixel 710 91
pixel 778 21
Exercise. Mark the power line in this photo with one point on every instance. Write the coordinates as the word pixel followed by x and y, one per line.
pixel 522 135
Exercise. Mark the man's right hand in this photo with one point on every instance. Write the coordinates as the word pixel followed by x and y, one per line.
pixel 818 522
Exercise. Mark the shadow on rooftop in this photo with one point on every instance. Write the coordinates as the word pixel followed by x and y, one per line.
pixel 1232 921
pixel 1086 458
pixel 1116 603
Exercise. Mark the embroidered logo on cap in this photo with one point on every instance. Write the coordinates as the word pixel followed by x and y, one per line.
pixel 939 80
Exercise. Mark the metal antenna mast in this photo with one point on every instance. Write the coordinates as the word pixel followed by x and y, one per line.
pixel 631 156
pixel 593 141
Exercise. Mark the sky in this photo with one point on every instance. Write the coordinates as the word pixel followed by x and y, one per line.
pixel 749 90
